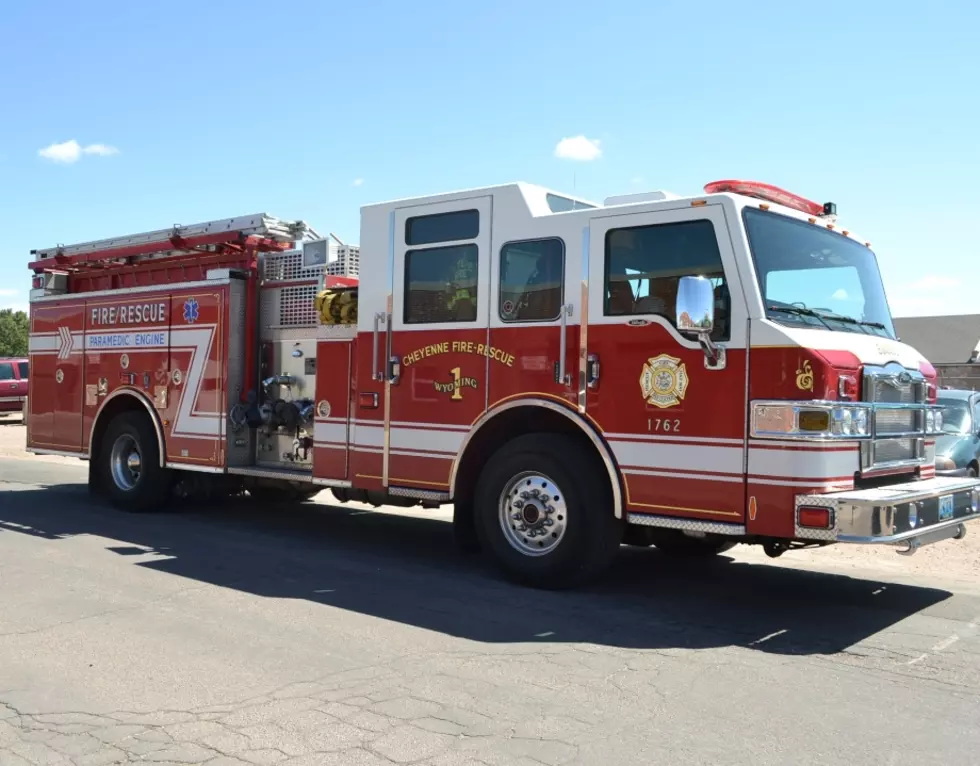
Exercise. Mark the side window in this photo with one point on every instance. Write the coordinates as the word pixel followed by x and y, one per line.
pixel 442 227
pixel 644 265
pixel 22 368
pixel 6 371
pixel 532 280
pixel 440 284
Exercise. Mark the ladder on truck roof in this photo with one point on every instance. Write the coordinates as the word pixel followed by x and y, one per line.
pixel 265 230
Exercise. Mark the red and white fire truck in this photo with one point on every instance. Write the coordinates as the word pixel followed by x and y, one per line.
pixel 685 372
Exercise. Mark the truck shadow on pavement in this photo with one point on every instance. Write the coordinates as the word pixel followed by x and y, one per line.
pixel 407 569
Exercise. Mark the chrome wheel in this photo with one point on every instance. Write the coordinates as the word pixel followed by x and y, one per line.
pixel 533 514
pixel 125 462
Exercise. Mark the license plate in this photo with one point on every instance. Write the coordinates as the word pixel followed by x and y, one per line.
pixel 945 507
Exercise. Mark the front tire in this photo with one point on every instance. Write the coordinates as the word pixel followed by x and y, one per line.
pixel 129 464
pixel 546 520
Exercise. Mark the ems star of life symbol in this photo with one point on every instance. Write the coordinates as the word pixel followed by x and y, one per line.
pixel 663 381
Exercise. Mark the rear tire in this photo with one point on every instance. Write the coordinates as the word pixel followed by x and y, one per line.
pixel 129 465
pixel 546 519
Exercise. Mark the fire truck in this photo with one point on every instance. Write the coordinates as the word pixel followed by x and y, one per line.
pixel 690 373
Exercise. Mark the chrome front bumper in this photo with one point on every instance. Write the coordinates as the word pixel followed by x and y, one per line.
pixel 911 514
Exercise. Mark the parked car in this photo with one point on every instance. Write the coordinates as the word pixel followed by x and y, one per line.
pixel 958 449
pixel 13 384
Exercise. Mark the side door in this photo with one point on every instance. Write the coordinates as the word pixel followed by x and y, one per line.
pixel 676 425
pixel 532 310
pixel 438 351
pixel 57 372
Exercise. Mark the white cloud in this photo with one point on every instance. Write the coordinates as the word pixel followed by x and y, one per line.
pixel 578 148
pixel 840 295
pixel 7 292
pixel 100 150
pixel 71 151
pixel 934 282
pixel 358 181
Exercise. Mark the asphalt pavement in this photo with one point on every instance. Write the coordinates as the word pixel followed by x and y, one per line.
pixel 241 634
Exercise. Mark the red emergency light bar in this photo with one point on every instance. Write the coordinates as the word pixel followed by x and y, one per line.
pixel 771 193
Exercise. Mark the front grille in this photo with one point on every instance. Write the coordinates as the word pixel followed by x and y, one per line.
pixel 895 421
pixel 898 420
pixel 890 390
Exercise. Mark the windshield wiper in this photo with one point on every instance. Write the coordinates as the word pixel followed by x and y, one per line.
pixel 850 320
pixel 800 311
pixel 824 315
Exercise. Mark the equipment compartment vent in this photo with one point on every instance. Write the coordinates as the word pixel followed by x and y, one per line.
pixel 296 306
pixel 287 267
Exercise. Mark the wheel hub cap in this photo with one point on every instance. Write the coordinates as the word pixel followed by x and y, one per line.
pixel 533 514
pixel 125 462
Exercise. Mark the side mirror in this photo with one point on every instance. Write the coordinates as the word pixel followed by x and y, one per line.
pixel 695 315
pixel 695 306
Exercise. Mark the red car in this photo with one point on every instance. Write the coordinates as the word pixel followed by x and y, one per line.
pixel 13 384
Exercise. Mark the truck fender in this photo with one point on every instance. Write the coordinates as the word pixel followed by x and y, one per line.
pixel 584 426
pixel 148 406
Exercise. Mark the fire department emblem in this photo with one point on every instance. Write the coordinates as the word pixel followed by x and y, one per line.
pixel 192 311
pixel 663 381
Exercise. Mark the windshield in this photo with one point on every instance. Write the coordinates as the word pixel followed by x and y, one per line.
pixel 813 277
pixel 956 416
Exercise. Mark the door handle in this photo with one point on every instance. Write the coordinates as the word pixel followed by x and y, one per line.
pixel 561 375
pixel 376 374
pixel 592 371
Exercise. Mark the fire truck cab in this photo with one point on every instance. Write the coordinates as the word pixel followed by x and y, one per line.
pixel 685 372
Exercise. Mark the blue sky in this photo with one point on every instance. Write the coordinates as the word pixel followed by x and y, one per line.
pixel 310 109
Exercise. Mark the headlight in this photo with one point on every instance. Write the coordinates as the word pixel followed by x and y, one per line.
pixel 820 420
pixel 934 421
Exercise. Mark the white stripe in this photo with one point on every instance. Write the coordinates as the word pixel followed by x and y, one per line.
pixel 11 399
pixel 330 433
pixel 678 456
pixel 802 464
pixel 189 422
pixel 661 438
pixel 326 445
pixel 369 436
pixel 38 343
pixel 678 475
pixel 432 440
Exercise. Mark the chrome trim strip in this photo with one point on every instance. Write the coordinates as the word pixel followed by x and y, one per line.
pixel 421 494
pixel 931 534
pixel 271 473
pixel 332 483
pixel 154 418
pixel 196 468
pixel 599 444
pixel 583 326
pixel 693 525
pixel 57 452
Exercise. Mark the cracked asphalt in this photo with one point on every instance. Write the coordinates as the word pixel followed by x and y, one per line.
pixel 328 635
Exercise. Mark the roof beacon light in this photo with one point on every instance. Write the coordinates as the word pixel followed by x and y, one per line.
pixel 774 194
